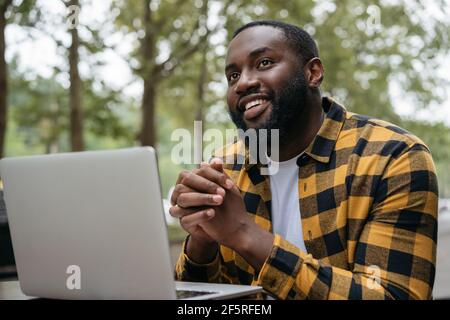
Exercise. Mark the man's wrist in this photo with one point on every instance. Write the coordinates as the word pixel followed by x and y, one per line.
pixel 254 244
pixel 201 251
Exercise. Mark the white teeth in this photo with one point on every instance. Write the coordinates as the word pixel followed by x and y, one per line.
pixel 253 103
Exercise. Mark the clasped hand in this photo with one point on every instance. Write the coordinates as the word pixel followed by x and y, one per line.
pixel 209 205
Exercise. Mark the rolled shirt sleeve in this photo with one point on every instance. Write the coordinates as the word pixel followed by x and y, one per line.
pixel 188 270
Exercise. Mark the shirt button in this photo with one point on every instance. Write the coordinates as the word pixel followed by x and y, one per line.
pixel 302 159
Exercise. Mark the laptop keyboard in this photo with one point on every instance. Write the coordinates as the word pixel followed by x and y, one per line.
pixel 184 294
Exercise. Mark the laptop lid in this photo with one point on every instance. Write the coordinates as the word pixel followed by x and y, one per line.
pixel 89 225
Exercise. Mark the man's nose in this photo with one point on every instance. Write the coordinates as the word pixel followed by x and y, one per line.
pixel 246 83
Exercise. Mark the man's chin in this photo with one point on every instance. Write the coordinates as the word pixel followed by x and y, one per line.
pixel 261 122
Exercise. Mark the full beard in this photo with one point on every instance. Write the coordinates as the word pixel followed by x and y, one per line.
pixel 289 106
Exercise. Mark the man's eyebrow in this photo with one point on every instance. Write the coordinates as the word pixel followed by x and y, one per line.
pixel 230 66
pixel 258 51
pixel 252 54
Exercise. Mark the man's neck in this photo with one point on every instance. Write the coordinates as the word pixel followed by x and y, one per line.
pixel 304 132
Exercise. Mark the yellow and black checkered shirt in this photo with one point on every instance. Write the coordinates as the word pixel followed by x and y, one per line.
pixel 368 202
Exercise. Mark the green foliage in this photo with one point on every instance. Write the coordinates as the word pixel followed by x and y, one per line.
pixel 107 114
pixel 38 109
pixel 40 113
pixel 24 13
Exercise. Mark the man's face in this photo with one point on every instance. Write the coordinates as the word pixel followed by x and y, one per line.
pixel 266 84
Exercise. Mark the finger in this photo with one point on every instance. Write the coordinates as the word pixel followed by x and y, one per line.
pixel 195 199
pixel 217 164
pixel 230 184
pixel 178 212
pixel 205 179
pixel 212 174
pixel 179 188
pixel 191 221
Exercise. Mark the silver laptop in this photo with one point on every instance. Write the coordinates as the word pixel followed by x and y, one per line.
pixel 90 225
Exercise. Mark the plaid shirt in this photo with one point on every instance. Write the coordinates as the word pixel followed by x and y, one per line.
pixel 368 202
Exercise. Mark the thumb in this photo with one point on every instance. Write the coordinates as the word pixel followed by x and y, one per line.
pixel 217 164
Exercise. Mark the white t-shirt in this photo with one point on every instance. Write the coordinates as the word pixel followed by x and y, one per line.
pixel 286 219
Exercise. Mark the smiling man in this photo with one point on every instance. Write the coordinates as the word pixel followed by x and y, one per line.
pixel 351 212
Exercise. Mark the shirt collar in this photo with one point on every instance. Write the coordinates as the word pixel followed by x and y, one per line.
pixel 324 142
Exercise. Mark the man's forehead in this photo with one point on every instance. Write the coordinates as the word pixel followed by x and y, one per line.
pixel 254 38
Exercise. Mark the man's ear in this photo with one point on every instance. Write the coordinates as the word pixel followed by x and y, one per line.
pixel 314 72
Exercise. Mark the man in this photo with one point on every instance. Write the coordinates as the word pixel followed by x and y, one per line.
pixel 351 212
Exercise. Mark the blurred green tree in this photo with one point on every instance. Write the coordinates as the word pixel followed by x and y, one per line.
pixel 22 13
pixel 168 33
pixel 42 119
pixel 66 105
pixel 76 110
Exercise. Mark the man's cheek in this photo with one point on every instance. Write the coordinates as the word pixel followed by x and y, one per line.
pixel 231 100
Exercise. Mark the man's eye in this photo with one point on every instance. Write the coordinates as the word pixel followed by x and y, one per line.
pixel 233 76
pixel 265 62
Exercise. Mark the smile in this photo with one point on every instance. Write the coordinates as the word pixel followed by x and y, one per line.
pixel 254 103
pixel 255 108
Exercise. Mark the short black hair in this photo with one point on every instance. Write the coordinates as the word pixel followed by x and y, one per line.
pixel 297 38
